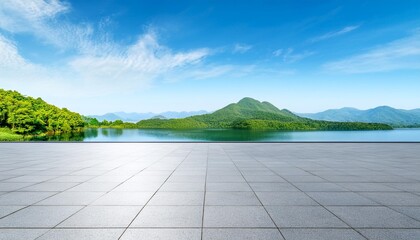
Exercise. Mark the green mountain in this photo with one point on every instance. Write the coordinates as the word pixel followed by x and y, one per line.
pixel 158 117
pixel 382 114
pixel 249 113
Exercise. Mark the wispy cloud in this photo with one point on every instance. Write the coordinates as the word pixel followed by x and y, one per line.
pixel 290 56
pixel 43 19
pixel 332 34
pixel 241 48
pixel 403 53
pixel 9 57
pixel 16 14
pixel 146 59
pixel 97 66
pixel 13 67
pixel 278 52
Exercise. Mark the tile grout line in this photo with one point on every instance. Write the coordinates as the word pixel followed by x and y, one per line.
pixel 205 192
pixel 309 197
pixel 84 206
pixel 131 222
pixel 259 200
pixel 349 190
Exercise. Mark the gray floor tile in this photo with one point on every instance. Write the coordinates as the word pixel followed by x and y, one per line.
pixel 110 178
pixel 169 216
pixel 304 216
pixel 413 212
pixel 70 178
pixel 162 234
pixel 273 187
pixel 409 187
pixel 182 187
pixel 391 234
pixel 6 210
pixel 39 216
pixel 21 234
pixel 72 198
pixel 82 234
pixel 367 187
pixel 94 187
pixel 228 187
pixel 336 175
pixel 319 187
pixel 302 178
pixel 177 199
pixel 30 179
pixel 138 187
pixel 264 179
pixel 394 198
pixel 285 198
pixel 49 187
pixel 225 178
pixel 373 217
pixel 23 198
pixel 186 179
pixel 236 216
pixel 8 186
pixel 102 216
pixel 242 234
pixel 231 199
pixel 321 234
pixel 124 199
pixel 340 198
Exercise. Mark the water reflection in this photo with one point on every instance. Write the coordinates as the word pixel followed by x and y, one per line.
pixel 115 135
pixel 217 135
pixel 91 133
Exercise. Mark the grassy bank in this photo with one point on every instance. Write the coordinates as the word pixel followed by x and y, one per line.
pixel 7 135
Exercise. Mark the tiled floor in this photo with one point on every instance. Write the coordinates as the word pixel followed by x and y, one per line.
pixel 210 191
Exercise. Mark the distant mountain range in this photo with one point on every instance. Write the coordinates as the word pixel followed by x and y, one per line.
pixel 383 114
pixel 249 113
pixel 135 117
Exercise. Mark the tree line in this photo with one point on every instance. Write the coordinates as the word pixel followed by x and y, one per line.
pixel 32 116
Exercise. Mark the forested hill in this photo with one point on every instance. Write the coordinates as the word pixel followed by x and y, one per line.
pixel 27 115
pixel 383 114
pixel 249 113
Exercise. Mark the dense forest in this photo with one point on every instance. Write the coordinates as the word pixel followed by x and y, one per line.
pixel 29 116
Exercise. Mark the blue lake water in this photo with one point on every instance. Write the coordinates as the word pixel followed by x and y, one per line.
pixel 135 135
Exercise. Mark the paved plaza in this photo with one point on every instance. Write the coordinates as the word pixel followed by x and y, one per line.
pixel 210 191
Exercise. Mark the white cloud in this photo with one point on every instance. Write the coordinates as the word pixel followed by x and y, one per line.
pixel 289 55
pixel 399 54
pixel 145 60
pixel 199 72
pixel 98 63
pixel 241 48
pixel 22 15
pixel 278 52
pixel 335 33
pixel 130 68
pixel 42 19
pixel 98 66
pixel 9 57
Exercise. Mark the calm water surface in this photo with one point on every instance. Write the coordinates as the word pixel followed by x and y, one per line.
pixel 127 135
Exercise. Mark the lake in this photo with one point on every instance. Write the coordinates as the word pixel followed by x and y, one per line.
pixel 151 135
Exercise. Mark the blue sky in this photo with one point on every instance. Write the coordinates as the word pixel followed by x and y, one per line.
pixel 103 56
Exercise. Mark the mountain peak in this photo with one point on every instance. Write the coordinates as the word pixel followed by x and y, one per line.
pixel 384 107
pixel 247 100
